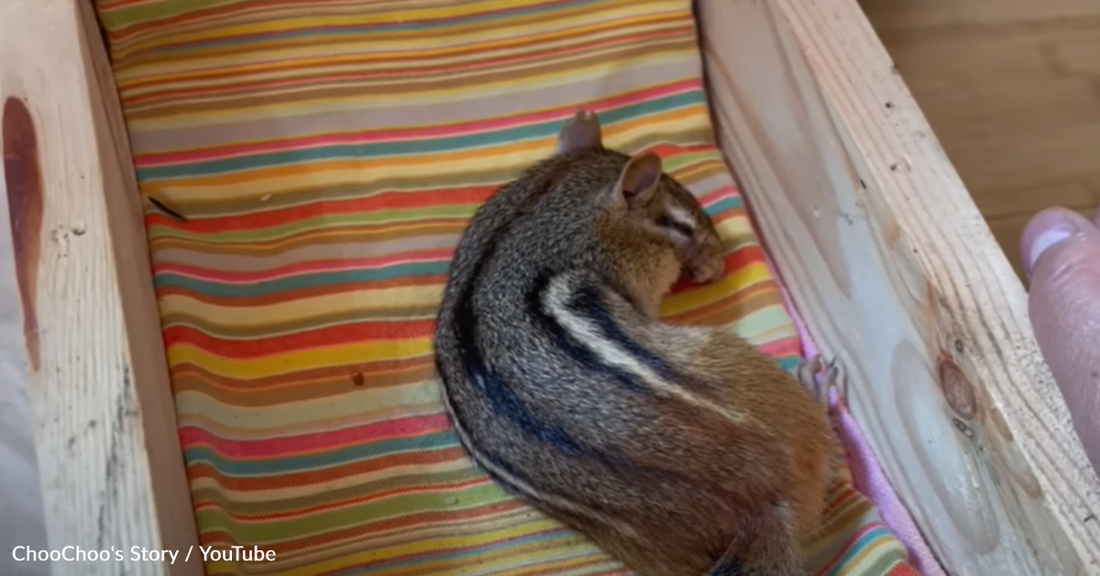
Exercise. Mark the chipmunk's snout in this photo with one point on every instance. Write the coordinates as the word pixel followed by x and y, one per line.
pixel 706 262
pixel 701 252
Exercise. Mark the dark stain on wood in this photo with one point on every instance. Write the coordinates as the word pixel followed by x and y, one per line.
pixel 115 458
pixel 23 180
pixel 957 389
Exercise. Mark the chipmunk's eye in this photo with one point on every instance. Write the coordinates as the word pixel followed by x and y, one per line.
pixel 666 221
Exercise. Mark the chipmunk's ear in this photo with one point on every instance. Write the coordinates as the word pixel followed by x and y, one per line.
pixel 580 132
pixel 639 178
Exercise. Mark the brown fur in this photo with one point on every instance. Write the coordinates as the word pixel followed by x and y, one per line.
pixel 695 451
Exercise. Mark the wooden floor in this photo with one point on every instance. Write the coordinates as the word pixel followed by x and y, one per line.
pixel 1012 90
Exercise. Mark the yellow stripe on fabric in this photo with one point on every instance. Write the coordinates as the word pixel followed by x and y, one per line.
pixel 258 183
pixel 685 120
pixel 872 552
pixel 498 520
pixel 280 23
pixel 345 20
pixel 493 562
pixel 449 49
pixel 161 237
pixel 331 305
pixel 273 418
pixel 519 554
pixel 305 359
pixel 592 69
pixel 739 227
pixel 700 296
pixel 330 485
pixel 234 433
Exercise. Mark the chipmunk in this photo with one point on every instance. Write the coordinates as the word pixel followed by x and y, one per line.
pixel 680 451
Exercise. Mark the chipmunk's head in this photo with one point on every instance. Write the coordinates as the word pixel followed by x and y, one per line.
pixel 651 215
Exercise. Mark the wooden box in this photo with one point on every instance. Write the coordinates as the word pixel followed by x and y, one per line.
pixel 890 264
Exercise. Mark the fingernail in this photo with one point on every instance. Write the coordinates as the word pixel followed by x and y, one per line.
pixel 1046 239
pixel 1047 229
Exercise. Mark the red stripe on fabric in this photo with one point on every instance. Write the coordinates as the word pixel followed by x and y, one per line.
pixel 352 333
pixel 288 446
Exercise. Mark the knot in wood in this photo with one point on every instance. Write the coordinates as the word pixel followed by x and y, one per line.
pixel 957 389
pixel 25 188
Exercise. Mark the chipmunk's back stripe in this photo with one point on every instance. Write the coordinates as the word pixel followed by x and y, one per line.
pixel 564 340
pixel 587 302
pixel 502 399
pixel 506 403
pixel 559 299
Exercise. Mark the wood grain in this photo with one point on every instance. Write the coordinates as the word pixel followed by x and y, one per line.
pixel 105 426
pixel 898 275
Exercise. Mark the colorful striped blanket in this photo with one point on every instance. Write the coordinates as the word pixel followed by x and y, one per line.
pixel 325 156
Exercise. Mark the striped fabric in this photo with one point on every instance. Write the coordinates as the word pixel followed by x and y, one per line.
pixel 326 155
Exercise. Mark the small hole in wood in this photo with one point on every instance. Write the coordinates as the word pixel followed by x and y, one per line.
pixel 962 427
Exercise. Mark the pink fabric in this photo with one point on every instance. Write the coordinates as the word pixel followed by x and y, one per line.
pixel 867 476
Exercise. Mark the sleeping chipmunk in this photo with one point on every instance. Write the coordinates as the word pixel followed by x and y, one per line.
pixel 680 451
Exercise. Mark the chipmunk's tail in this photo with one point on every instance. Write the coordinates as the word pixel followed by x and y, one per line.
pixel 736 567
pixel 728 567
pixel 767 548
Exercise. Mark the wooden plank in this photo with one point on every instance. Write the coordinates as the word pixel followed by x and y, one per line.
pixel 897 274
pixel 112 471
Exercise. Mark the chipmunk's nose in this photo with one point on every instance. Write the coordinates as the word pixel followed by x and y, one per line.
pixel 708 266
pixel 710 271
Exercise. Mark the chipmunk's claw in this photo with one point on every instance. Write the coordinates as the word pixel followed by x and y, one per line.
pixel 834 378
pixel 807 371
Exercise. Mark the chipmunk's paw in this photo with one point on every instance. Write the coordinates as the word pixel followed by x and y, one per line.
pixel 580 132
pixel 834 376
